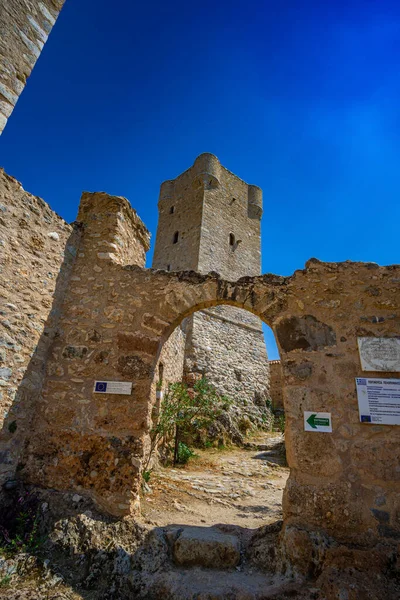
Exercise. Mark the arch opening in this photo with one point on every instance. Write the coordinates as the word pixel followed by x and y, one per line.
pixel 224 345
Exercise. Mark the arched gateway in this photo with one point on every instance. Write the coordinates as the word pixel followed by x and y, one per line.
pixel 116 316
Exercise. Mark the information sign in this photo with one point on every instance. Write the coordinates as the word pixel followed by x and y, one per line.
pixel 379 400
pixel 113 387
pixel 318 421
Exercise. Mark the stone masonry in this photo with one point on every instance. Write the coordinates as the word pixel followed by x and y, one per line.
pixel 37 250
pixel 113 318
pixel 276 384
pixel 209 220
pixel 24 28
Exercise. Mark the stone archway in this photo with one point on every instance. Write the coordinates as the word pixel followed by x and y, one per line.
pixel 115 316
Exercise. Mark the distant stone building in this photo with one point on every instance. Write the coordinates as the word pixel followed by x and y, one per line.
pixel 276 384
pixel 209 220
pixel 24 28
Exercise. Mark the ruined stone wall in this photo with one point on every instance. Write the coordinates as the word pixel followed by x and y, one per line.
pixel 231 354
pixel 37 249
pixel 170 367
pixel 116 231
pixel 24 28
pixel 342 485
pixel 86 342
pixel 276 384
pixel 215 218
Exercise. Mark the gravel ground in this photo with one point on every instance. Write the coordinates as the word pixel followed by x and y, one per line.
pixel 238 486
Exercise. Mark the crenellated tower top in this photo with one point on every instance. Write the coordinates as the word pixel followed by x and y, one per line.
pixel 209 220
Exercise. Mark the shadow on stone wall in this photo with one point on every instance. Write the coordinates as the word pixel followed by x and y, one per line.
pixel 18 422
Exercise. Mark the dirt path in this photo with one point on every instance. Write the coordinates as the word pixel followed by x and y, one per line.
pixel 239 487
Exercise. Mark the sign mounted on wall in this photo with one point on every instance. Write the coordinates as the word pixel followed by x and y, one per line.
pixel 378 400
pixel 318 421
pixel 379 354
pixel 113 387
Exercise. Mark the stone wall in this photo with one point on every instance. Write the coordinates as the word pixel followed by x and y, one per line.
pixel 37 249
pixel 24 28
pixel 116 232
pixel 170 366
pixel 343 487
pixel 111 233
pixel 276 384
pixel 227 346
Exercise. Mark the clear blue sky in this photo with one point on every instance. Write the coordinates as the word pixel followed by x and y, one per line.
pixel 299 97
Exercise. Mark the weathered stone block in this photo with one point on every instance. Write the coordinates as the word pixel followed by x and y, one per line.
pixel 206 547
pixel 304 333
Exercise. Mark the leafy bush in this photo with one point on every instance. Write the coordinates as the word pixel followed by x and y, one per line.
pixel 183 409
pixel 146 476
pixel 184 453
pixel 5 581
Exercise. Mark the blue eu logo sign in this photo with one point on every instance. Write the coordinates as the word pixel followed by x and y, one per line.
pixel 101 386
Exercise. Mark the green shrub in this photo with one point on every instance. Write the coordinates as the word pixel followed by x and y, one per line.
pixel 184 409
pixel 146 476
pixel 5 581
pixel 184 454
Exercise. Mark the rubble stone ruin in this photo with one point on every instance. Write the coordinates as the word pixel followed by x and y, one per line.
pixel 78 306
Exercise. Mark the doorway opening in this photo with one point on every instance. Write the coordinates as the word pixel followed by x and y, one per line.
pixel 230 468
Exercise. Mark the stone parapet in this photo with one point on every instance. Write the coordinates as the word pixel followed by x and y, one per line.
pixel 113 229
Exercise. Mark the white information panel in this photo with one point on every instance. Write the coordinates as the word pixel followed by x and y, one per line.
pixel 379 400
pixel 379 354
pixel 113 387
pixel 317 421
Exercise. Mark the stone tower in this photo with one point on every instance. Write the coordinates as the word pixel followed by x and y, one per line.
pixel 209 220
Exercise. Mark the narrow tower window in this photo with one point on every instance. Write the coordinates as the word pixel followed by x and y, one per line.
pixel 168 267
pixel 231 239
pixel 172 210
pixel 176 237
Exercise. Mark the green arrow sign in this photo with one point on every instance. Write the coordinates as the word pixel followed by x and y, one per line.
pixel 315 421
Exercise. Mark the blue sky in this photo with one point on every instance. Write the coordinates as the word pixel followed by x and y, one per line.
pixel 298 97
